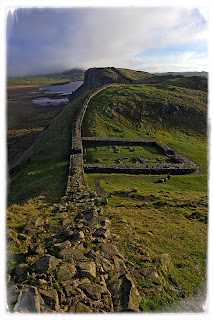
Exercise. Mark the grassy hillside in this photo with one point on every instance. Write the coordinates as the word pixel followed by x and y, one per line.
pixel 194 83
pixel 132 74
pixel 169 219
pixel 25 120
pixel 43 168
pixel 135 110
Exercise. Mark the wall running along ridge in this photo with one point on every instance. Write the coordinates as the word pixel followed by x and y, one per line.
pixel 76 179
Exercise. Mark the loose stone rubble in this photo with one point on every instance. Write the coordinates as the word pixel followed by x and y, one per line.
pixel 83 269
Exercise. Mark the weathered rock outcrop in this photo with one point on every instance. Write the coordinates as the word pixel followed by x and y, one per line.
pixel 97 77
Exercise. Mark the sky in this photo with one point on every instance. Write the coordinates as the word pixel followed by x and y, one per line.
pixel 150 39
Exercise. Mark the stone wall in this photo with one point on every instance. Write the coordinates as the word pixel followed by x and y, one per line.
pixel 76 180
pixel 91 141
pixel 173 169
pixel 181 165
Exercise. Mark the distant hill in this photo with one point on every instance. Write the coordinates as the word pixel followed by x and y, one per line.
pixel 195 83
pixel 185 74
pixel 72 74
pixel 76 74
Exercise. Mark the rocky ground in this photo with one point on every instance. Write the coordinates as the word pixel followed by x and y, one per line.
pixel 80 267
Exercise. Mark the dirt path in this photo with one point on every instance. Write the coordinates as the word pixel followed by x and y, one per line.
pixel 98 187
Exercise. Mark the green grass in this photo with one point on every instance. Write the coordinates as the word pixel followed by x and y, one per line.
pixel 134 75
pixel 34 81
pixel 43 169
pixel 123 154
pixel 135 110
pixel 170 223
pixel 197 83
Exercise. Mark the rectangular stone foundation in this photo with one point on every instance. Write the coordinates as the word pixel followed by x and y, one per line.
pixel 181 165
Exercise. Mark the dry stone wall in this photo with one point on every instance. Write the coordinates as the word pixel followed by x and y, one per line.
pixel 91 141
pixel 173 169
pixel 181 165
pixel 76 179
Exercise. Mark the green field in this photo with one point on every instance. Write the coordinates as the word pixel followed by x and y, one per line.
pixel 34 81
pixel 137 110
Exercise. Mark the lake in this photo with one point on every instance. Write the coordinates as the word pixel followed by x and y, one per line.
pixel 61 89
pixel 48 101
pixel 67 88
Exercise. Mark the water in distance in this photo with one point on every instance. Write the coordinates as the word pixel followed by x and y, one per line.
pixel 67 88
pixel 48 101
pixel 61 89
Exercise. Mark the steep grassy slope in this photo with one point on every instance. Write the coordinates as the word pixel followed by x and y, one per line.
pixel 194 83
pixel 25 120
pixel 43 169
pixel 168 219
pixel 146 108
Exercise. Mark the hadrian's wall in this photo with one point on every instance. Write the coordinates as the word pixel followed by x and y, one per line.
pixel 76 180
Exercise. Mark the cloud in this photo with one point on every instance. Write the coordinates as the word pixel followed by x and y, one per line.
pixel 48 40
pixel 182 61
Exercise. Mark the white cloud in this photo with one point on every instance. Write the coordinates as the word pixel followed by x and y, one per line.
pixel 188 61
pixel 204 12
pixel 51 40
